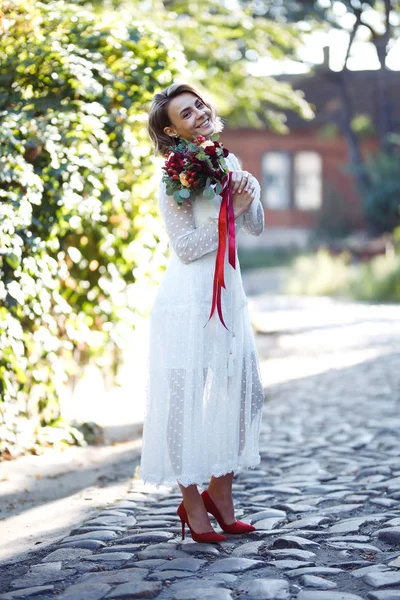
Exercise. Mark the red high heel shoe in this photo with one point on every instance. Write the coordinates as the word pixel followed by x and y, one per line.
pixel 236 527
pixel 209 536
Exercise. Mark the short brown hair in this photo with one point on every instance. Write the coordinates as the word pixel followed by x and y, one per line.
pixel 158 114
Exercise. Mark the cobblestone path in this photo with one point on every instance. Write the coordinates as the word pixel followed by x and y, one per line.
pixel 325 499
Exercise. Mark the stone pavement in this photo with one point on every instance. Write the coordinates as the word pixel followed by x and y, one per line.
pixel 325 499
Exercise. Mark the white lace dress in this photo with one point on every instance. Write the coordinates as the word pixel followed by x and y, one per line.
pixel 204 391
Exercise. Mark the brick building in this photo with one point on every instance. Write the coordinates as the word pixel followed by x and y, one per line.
pixel 305 180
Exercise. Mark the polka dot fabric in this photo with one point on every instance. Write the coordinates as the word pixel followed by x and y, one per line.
pixel 204 391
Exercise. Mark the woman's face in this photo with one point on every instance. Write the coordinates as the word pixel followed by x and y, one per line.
pixel 189 117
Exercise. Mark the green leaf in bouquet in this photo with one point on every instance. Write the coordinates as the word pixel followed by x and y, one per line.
pixel 215 137
pixel 192 147
pixel 223 164
pixel 184 193
pixel 208 182
pixel 209 161
pixel 178 198
pixel 209 193
pixel 218 188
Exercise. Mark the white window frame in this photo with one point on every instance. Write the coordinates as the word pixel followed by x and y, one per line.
pixel 307 188
pixel 292 198
pixel 276 191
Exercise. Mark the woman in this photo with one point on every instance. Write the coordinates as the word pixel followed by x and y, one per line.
pixel 205 396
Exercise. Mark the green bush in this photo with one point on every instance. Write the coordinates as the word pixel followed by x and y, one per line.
pixel 79 234
pixel 323 274
pixel 379 280
pixel 382 200
pixel 320 274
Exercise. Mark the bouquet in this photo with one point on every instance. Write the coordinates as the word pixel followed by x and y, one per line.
pixel 199 167
pixel 194 168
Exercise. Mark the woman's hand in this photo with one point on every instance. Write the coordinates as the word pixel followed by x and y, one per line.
pixel 240 180
pixel 243 191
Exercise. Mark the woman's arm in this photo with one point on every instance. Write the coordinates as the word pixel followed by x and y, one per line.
pixel 254 216
pixel 253 222
pixel 188 241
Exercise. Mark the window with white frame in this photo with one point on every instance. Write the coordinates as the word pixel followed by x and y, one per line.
pixel 276 180
pixel 308 181
pixel 292 180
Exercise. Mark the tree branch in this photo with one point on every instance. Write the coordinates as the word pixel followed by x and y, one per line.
pixel 386 35
pixel 352 37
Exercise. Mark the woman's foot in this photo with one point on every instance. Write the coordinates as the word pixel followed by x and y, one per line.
pixel 220 492
pixel 218 501
pixel 198 517
pixel 234 527
pixel 224 503
pixel 194 507
pixel 203 537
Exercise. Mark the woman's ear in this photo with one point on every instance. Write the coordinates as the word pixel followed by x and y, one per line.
pixel 169 131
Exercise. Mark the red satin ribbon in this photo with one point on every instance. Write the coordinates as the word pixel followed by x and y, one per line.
pixel 226 224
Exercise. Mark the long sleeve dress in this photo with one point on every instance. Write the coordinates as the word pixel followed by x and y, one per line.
pixel 204 392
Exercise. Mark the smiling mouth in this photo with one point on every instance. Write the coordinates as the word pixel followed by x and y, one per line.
pixel 205 123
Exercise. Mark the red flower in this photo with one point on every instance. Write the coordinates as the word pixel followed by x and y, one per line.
pixel 175 162
pixel 210 150
pixel 183 169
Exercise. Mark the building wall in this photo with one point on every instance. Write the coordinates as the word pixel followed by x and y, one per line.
pixel 339 193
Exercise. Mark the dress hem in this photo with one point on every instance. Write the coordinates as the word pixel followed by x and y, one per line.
pixel 217 471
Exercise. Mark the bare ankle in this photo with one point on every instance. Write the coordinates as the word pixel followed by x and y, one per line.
pixel 219 494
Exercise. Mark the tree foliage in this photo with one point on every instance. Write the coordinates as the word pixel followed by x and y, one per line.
pixel 222 43
pixel 377 22
pixel 79 235
pixel 382 200
pixel 78 228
